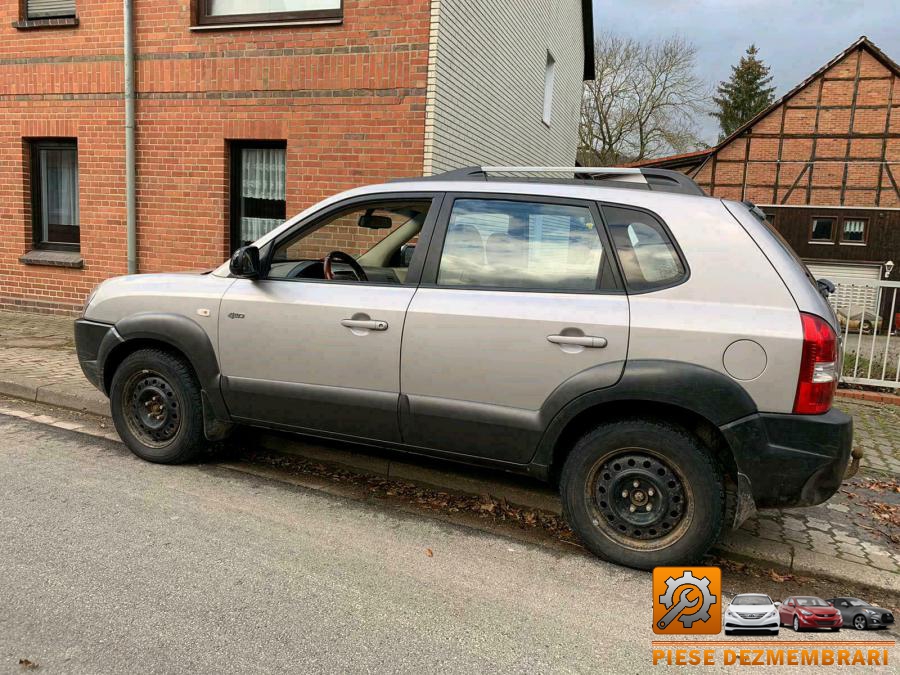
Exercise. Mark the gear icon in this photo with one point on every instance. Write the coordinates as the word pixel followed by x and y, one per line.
pixel 701 584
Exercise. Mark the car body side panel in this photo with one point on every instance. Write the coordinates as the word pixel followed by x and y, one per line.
pixel 733 294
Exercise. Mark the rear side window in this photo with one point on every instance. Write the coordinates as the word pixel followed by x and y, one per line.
pixel 649 258
pixel 494 243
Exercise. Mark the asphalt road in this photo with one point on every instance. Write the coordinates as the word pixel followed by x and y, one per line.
pixel 110 564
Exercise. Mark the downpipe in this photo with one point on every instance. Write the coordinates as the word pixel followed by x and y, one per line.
pixel 130 177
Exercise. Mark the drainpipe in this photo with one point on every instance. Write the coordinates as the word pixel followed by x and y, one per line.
pixel 130 182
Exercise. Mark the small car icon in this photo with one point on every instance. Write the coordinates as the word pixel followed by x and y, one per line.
pixel 861 615
pixel 751 611
pixel 806 612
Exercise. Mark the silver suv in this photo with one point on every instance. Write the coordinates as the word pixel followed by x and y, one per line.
pixel 659 354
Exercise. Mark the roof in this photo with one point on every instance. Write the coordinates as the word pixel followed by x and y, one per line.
pixel 685 158
pixel 861 43
pixel 587 28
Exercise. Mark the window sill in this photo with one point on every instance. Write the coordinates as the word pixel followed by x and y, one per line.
pixel 31 24
pixel 822 243
pixel 265 24
pixel 69 259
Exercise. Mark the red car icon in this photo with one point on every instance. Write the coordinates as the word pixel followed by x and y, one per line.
pixel 803 612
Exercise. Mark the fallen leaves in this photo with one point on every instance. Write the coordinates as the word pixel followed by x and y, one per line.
pixel 429 552
pixel 28 665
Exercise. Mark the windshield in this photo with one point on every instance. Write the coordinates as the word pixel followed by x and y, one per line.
pixel 811 602
pixel 752 600
pixel 856 603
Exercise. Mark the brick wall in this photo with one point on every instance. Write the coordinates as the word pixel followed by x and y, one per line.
pixel 348 99
pixel 845 121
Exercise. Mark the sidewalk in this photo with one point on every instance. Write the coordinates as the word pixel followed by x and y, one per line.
pixel 855 535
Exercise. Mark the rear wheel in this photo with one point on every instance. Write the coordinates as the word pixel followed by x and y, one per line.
pixel 643 493
pixel 156 407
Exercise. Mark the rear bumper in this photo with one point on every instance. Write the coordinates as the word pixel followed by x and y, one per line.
pixel 791 460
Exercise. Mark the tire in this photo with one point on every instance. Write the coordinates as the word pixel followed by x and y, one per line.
pixel 636 463
pixel 157 408
pixel 835 629
pixel 860 622
pixel 797 628
pixel 729 632
pixel 775 632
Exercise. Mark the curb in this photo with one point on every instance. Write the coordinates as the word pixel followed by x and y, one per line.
pixel 518 490
pixel 59 395
pixel 871 396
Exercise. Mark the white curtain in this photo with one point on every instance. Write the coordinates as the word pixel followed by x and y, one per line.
pixel 59 188
pixel 226 7
pixel 263 173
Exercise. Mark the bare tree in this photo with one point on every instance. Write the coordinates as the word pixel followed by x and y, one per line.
pixel 643 102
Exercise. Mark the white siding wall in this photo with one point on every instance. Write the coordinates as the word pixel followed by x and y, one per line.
pixel 486 83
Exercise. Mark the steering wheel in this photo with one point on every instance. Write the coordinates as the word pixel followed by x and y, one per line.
pixel 348 260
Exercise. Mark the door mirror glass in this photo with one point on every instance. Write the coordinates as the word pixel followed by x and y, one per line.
pixel 245 262
pixel 778 604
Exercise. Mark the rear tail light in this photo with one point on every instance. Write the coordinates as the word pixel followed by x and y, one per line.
pixel 818 368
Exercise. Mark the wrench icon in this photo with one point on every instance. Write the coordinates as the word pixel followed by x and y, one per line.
pixel 682 604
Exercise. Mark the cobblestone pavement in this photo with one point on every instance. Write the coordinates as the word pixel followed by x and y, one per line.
pixel 859 524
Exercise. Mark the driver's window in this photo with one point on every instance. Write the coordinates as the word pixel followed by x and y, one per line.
pixel 378 236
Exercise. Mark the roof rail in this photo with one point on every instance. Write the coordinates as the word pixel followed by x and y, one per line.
pixel 663 180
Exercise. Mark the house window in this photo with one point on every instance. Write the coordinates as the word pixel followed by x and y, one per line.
pixel 54 188
pixel 49 9
pixel 267 11
pixel 257 190
pixel 853 231
pixel 822 231
pixel 771 218
pixel 549 77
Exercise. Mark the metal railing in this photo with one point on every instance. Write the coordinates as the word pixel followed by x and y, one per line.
pixel 869 316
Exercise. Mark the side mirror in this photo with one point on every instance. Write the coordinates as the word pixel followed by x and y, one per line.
pixel 406 254
pixel 245 262
pixel 778 604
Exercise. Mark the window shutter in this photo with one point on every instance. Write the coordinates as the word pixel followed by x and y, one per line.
pixel 45 9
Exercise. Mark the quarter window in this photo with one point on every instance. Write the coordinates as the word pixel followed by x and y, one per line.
pixel 54 187
pixel 853 231
pixel 517 244
pixel 265 11
pixel 649 258
pixel 822 230
pixel 49 9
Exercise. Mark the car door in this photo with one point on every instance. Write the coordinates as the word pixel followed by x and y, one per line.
pixel 786 612
pixel 519 295
pixel 301 351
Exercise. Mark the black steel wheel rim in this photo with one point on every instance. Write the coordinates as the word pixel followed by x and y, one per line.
pixel 639 499
pixel 152 408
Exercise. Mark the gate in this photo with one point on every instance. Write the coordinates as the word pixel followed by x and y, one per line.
pixel 869 316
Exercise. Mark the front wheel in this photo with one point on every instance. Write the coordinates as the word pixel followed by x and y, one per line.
pixel 156 407
pixel 643 493
pixel 796 625
pixel 859 622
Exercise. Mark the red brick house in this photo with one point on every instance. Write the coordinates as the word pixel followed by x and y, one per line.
pixel 248 111
pixel 823 162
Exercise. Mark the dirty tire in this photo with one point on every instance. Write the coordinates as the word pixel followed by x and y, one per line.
pixel 643 457
pixel 157 408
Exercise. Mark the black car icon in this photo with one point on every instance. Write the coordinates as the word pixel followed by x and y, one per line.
pixel 860 614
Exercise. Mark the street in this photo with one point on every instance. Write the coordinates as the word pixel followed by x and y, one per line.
pixel 116 565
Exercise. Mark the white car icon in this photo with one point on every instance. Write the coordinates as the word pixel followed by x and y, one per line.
pixel 751 611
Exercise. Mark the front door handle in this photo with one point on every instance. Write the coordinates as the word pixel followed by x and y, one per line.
pixel 578 340
pixel 368 324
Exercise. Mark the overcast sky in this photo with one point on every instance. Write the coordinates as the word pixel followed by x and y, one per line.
pixel 795 37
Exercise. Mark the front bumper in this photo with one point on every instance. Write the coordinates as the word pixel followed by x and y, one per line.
pixel 737 622
pixel 791 460
pixel 93 343
pixel 820 621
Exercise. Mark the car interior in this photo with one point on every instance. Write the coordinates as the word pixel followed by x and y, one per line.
pixel 370 243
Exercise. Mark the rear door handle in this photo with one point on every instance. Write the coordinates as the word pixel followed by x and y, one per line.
pixel 369 324
pixel 579 340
